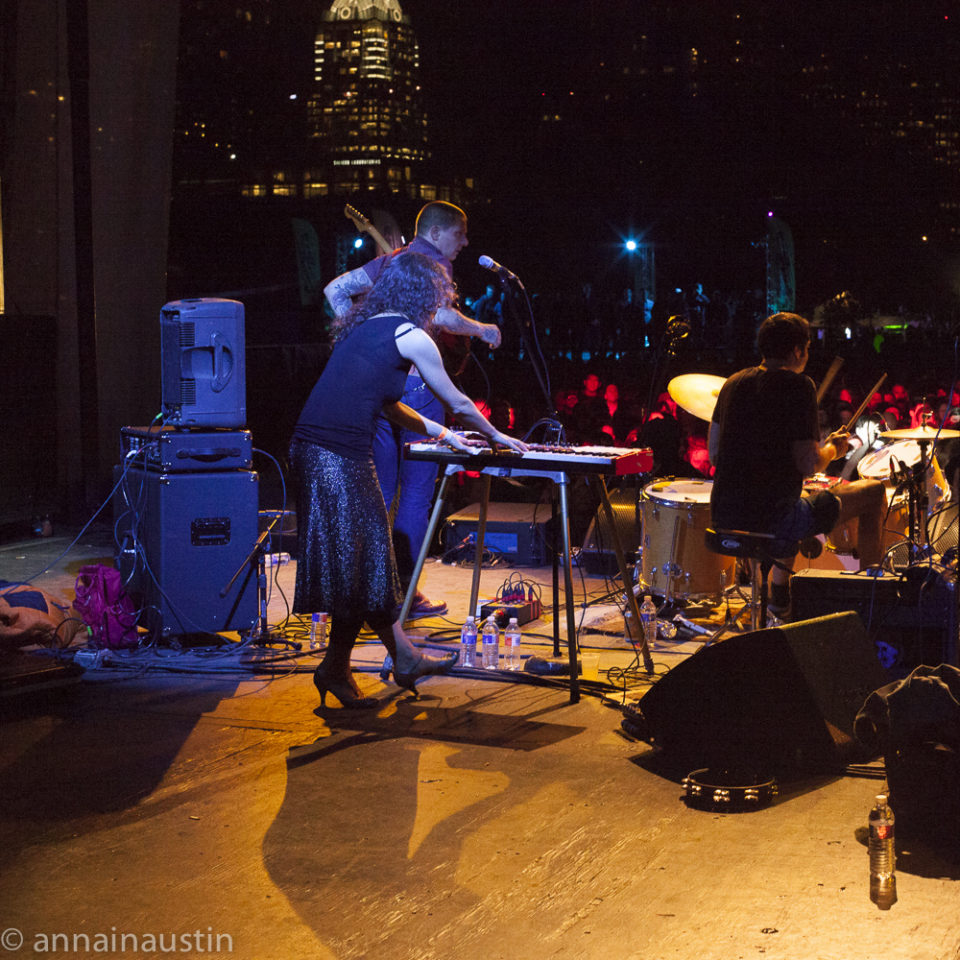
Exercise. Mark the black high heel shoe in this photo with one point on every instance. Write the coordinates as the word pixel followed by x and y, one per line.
pixel 343 690
pixel 425 666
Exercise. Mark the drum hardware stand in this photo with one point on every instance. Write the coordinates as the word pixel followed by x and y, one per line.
pixel 731 621
pixel 913 480
pixel 751 604
pixel 918 500
pixel 634 608
pixel 671 569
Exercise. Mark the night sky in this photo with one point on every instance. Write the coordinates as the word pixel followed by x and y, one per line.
pixel 695 176
pixel 700 178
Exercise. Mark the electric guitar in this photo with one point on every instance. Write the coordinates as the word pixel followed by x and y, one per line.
pixel 363 225
pixel 454 347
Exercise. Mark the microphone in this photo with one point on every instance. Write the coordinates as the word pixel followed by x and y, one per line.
pixel 490 264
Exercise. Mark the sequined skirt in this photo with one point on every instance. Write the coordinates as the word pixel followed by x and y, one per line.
pixel 345 562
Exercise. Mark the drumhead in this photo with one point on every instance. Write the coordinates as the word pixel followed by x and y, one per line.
pixel 876 465
pixel 679 491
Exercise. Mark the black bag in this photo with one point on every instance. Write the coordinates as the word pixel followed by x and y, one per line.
pixel 915 723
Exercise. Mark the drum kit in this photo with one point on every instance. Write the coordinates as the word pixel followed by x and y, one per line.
pixel 675 512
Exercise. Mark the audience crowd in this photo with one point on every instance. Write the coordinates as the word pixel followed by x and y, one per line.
pixel 610 362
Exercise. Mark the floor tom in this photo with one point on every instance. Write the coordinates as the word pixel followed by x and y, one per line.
pixel 675 559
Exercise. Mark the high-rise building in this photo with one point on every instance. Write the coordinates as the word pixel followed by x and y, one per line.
pixel 365 118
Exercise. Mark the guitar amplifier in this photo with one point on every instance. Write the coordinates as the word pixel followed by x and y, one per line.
pixel 912 617
pixel 172 450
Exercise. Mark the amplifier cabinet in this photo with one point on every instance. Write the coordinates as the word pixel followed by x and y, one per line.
pixel 180 538
pixel 172 450
pixel 912 616
pixel 518 531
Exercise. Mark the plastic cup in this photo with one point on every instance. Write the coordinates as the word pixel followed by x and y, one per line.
pixel 590 666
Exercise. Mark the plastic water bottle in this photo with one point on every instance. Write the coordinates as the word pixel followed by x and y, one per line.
pixel 883 857
pixel 512 638
pixel 648 620
pixel 318 630
pixel 490 641
pixel 468 643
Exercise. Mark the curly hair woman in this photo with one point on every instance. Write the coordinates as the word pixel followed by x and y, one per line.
pixel 346 563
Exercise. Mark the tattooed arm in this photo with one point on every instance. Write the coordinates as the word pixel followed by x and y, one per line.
pixel 341 290
pixel 453 321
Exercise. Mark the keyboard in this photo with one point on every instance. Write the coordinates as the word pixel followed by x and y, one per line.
pixel 550 458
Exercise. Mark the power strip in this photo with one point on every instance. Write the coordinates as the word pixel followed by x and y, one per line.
pixel 524 611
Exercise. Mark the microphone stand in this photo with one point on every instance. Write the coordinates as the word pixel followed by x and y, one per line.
pixel 677 329
pixel 513 287
pixel 260 633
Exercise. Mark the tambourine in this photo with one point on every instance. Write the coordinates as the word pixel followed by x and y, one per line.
pixel 733 791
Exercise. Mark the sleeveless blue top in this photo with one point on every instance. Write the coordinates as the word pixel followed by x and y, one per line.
pixel 365 372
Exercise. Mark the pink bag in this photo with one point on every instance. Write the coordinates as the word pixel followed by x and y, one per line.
pixel 105 607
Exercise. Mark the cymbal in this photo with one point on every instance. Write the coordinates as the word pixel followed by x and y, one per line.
pixel 696 393
pixel 926 432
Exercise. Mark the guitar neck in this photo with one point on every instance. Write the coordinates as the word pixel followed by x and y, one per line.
pixel 378 237
pixel 363 225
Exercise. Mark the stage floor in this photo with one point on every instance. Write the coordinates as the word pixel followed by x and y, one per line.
pixel 190 794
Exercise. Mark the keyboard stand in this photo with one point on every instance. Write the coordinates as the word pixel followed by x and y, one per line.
pixel 561 482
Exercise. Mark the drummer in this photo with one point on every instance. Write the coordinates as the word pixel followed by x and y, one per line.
pixel 765 438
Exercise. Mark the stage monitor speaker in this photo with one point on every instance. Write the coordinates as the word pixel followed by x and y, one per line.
pixel 202 363
pixel 597 556
pixel 181 537
pixel 772 701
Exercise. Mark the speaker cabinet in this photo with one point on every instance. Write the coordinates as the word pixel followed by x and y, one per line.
pixel 203 363
pixel 181 537
pixel 771 701
pixel 597 556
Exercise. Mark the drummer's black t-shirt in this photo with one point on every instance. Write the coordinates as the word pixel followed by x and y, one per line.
pixel 759 415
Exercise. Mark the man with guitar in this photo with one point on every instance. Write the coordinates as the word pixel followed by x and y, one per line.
pixel 440 233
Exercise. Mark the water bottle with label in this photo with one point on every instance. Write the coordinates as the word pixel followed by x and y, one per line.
pixel 648 620
pixel 883 857
pixel 512 638
pixel 468 643
pixel 318 630
pixel 490 641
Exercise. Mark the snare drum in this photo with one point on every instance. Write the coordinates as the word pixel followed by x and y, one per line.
pixel 675 559
pixel 879 465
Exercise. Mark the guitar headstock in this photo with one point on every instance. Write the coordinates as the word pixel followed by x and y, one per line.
pixel 359 220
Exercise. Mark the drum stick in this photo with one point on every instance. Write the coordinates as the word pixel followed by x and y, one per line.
pixel 828 378
pixel 863 406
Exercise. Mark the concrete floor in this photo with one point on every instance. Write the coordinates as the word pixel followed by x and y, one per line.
pixel 187 794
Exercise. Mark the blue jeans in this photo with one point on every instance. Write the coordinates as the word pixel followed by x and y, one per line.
pixel 411 483
pixel 810 515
